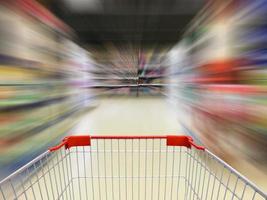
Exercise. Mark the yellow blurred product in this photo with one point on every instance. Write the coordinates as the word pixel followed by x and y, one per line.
pixel 13 73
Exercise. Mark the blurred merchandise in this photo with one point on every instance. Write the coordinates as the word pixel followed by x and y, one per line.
pixel 123 69
pixel 42 73
pixel 218 83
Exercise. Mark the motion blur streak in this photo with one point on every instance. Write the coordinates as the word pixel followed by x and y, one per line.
pixel 219 81
pixel 41 75
pixel 210 62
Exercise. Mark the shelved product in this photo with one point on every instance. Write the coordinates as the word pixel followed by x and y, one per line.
pixel 219 78
pixel 42 72
pixel 130 65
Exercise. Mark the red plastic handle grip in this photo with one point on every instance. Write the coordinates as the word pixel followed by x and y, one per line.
pixel 73 141
pixel 181 140
pixel 85 140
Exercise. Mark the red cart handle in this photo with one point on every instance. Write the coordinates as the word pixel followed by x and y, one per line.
pixel 85 140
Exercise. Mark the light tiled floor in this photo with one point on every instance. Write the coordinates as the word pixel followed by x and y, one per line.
pixel 130 115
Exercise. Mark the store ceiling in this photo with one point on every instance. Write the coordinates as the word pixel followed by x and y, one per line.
pixel 145 21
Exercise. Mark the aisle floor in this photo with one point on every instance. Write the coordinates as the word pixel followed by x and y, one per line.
pixel 130 115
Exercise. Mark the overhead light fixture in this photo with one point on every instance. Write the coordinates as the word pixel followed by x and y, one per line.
pixel 84 5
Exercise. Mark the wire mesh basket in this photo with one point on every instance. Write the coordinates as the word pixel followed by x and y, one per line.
pixel 128 168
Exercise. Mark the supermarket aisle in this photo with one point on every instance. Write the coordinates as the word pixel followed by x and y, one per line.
pixel 130 115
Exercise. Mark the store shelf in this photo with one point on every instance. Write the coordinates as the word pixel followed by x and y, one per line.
pixel 39 98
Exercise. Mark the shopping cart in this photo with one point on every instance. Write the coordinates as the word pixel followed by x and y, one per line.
pixel 128 167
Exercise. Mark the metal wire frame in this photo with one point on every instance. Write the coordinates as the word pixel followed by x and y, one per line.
pixel 128 169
